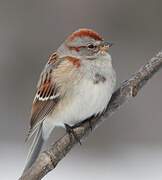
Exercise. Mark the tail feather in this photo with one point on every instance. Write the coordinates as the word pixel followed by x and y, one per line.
pixel 35 148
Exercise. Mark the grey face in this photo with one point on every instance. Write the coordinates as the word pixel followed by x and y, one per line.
pixel 84 46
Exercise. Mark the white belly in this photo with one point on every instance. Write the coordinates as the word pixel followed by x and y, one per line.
pixel 87 99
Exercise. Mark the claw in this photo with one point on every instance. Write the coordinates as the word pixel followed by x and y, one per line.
pixel 70 131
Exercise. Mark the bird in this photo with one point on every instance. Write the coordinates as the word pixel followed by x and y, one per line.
pixel 76 83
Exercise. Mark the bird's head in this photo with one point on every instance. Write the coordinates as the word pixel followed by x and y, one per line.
pixel 84 43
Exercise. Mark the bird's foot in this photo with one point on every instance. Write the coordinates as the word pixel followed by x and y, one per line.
pixel 70 131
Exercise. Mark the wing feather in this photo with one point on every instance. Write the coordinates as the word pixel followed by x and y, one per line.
pixel 47 94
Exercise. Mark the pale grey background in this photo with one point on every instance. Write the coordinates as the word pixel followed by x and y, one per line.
pixel 128 145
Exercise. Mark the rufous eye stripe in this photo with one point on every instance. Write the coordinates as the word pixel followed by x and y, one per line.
pixel 76 48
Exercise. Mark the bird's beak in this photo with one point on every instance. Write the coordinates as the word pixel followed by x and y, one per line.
pixel 104 46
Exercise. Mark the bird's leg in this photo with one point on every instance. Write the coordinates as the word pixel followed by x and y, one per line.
pixel 90 124
pixel 70 131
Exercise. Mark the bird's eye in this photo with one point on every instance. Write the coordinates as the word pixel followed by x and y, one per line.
pixel 91 46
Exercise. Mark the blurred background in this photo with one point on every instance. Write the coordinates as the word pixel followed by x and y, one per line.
pixel 129 144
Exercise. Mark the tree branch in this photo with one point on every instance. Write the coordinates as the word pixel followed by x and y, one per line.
pixel 48 159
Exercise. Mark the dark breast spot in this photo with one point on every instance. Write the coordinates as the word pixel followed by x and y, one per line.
pixel 99 78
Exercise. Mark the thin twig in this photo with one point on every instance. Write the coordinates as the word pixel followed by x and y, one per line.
pixel 48 159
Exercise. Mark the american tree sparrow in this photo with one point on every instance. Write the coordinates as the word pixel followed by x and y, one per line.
pixel 77 82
